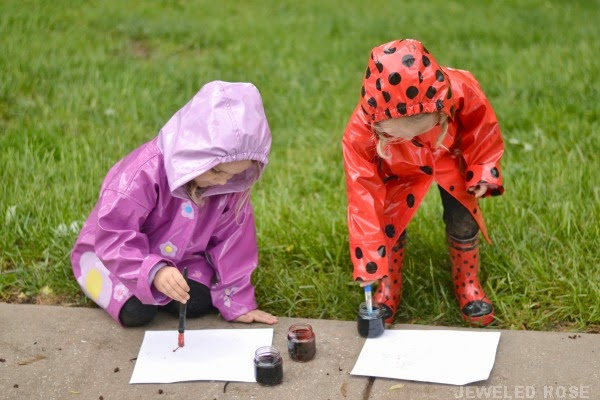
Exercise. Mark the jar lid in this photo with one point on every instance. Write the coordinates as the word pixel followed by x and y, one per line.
pixel 267 356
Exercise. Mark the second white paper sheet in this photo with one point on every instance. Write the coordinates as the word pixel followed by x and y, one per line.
pixel 211 354
pixel 441 356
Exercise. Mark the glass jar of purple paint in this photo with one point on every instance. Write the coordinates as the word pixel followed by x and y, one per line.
pixel 370 323
pixel 268 366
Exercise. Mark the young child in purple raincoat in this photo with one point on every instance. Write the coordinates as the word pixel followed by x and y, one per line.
pixel 181 200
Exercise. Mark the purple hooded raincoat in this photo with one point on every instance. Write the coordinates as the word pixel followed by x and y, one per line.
pixel 144 218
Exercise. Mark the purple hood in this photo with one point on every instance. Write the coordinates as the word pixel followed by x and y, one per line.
pixel 198 136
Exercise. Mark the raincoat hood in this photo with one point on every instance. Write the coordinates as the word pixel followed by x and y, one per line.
pixel 223 122
pixel 403 79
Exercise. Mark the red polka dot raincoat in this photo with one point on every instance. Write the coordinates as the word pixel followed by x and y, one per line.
pixel 403 79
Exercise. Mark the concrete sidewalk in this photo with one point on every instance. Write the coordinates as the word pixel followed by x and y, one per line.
pixel 49 352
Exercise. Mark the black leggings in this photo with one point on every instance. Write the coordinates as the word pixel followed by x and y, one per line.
pixel 459 222
pixel 134 313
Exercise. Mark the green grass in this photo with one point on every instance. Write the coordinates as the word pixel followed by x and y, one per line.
pixel 82 84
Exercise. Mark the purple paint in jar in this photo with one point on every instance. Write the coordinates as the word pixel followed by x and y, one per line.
pixel 370 324
pixel 268 366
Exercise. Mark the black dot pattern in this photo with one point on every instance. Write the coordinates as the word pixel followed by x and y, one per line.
pixel 379 66
pixel 394 78
pixel 412 92
pixel 430 92
pixel 386 96
pixel 410 200
pixel 378 83
pixel 381 251
pixel 439 76
pixel 401 107
pixel 426 169
pixel 469 176
pixel 390 50
pixel 408 60
pixel 372 102
pixel 390 231
pixel 494 172
pixel 371 267
pixel 358 253
pixel 426 61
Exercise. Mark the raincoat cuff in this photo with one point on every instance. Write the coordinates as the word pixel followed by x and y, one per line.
pixel 159 297
pixel 485 173
pixel 146 291
pixel 370 261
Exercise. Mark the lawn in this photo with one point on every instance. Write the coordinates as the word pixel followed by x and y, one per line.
pixel 84 83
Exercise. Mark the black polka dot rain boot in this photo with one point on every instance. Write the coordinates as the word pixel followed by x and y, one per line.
pixel 475 307
pixel 389 291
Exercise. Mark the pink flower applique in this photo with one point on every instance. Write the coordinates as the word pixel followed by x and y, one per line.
pixel 196 274
pixel 120 292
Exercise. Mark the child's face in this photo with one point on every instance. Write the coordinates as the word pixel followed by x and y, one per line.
pixel 409 127
pixel 221 173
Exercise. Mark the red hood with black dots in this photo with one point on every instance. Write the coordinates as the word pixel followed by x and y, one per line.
pixel 403 79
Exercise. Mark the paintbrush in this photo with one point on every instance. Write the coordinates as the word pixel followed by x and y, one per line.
pixel 368 299
pixel 182 310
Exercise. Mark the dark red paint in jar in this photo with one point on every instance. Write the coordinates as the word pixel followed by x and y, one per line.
pixel 302 346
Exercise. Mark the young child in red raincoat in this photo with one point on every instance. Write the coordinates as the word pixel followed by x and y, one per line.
pixel 418 123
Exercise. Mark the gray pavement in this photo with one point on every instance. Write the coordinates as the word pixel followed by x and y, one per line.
pixel 49 352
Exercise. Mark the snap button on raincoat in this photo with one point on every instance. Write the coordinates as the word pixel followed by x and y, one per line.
pixel 403 79
pixel 144 219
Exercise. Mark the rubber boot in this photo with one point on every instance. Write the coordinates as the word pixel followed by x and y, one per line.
pixel 475 307
pixel 389 291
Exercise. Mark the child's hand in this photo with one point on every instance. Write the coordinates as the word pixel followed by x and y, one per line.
pixel 257 316
pixel 168 280
pixel 478 190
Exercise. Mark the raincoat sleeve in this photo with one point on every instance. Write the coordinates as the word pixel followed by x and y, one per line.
pixel 233 253
pixel 481 141
pixel 366 197
pixel 124 248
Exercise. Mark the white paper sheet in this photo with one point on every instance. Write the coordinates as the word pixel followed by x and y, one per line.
pixel 440 356
pixel 212 354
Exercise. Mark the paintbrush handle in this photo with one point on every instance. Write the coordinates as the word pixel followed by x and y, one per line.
pixel 368 299
pixel 182 306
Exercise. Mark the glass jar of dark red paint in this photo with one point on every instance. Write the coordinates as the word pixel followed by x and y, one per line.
pixel 301 342
pixel 370 323
pixel 268 366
